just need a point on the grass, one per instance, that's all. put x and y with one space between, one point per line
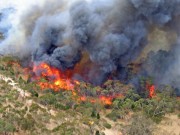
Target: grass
48 112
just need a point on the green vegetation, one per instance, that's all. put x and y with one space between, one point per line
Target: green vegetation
106 125
49 112
154 108
6 127
140 125
179 116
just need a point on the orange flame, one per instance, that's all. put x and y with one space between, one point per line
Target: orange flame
57 80
83 98
106 100
151 89
54 76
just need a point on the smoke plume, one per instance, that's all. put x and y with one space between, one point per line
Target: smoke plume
112 33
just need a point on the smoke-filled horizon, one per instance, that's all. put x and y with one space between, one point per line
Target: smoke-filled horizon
113 33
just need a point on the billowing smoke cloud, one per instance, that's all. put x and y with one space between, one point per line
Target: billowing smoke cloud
114 33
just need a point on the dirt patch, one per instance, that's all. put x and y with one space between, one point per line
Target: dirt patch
170 125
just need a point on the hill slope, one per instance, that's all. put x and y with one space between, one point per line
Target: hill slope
25 109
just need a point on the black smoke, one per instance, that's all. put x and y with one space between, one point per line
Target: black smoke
113 33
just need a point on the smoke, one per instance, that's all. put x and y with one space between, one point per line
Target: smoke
163 66
114 34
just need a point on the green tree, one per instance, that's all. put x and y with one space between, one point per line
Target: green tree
98 116
93 114
97 133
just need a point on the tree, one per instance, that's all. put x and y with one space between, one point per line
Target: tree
93 114
97 133
98 116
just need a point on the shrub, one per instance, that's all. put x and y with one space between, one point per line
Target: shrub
6 127
107 125
48 99
34 93
117 114
61 107
93 114
97 133
98 116
140 125
179 115
27 124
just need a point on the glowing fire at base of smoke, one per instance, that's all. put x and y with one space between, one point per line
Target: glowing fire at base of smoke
151 90
56 80
106 100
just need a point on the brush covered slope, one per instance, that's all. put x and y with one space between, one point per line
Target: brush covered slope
27 109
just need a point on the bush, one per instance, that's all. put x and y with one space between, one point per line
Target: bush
157 107
27 124
93 114
34 107
34 93
6 127
107 125
132 95
140 125
61 107
97 133
48 99
179 115
117 114
98 116
113 115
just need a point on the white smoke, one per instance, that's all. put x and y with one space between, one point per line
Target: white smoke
15 40
20 16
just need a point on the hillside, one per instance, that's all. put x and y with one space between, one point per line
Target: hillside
25 109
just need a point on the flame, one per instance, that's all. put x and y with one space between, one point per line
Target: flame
83 98
93 101
151 89
54 77
106 100
57 80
